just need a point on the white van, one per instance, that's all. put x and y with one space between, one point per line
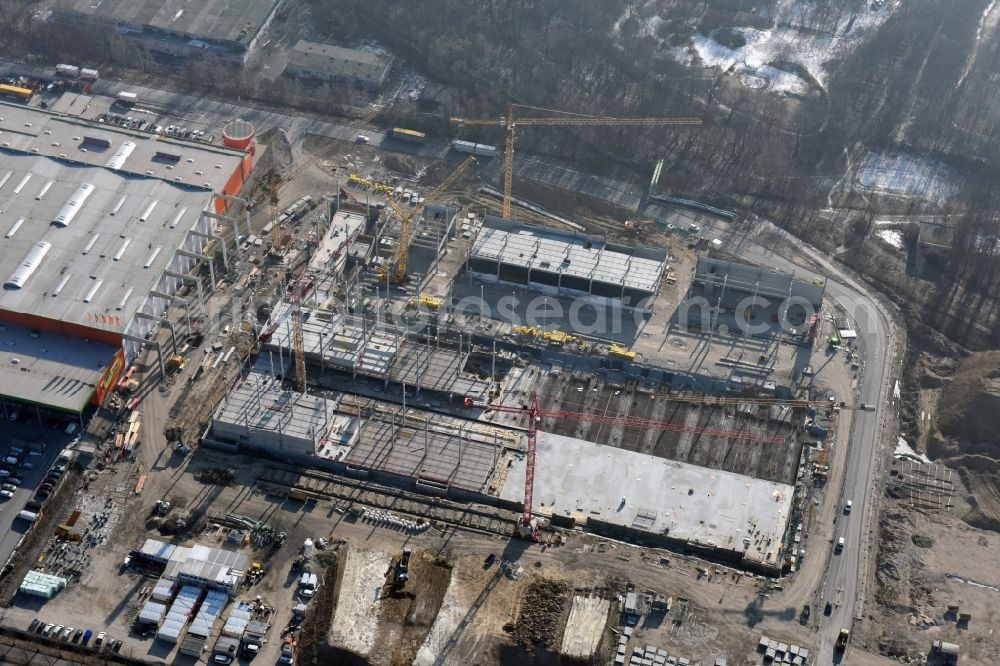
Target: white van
848 506
840 545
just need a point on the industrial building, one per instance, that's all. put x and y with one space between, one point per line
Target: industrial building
352 345
326 62
199 566
562 262
625 494
364 437
728 283
654 500
228 29
260 415
103 229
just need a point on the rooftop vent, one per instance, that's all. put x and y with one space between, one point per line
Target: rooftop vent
73 205
31 262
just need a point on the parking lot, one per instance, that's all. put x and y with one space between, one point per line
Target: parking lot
28 443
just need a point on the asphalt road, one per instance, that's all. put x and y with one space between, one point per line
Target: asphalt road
845 574
199 112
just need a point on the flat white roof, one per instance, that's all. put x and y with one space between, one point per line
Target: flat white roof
585 257
705 507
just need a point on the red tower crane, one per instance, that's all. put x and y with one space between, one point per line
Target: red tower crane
526 527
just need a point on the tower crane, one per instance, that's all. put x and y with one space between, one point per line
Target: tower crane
399 275
509 123
527 527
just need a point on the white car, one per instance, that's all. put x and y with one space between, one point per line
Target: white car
9 486
6 494
362 138
99 641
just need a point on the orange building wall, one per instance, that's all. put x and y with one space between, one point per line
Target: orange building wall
235 183
111 337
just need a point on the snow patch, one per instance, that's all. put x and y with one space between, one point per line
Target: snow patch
905 452
749 62
893 237
800 34
907 174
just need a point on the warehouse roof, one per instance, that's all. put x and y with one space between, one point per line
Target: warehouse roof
39 132
220 20
707 507
570 254
339 61
85 245
43 368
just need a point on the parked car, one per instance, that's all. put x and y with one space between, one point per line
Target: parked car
117 646
47 630
14 480
33 625
27 465
99 641
286 660
86 637
77 635
67 632
6 494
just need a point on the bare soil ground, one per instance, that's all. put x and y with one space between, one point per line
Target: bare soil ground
927 561
407 615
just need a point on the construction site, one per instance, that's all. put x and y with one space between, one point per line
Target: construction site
397 383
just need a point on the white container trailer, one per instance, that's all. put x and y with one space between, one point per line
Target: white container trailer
471 148
68 70
88 74
128 98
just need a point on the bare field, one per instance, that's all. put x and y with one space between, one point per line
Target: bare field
930 560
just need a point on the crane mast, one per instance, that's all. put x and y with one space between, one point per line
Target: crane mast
509 124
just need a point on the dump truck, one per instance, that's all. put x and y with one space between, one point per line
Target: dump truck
842 638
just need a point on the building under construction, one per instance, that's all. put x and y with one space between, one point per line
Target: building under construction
566 262
639 497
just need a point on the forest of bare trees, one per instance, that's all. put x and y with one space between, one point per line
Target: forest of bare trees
923 83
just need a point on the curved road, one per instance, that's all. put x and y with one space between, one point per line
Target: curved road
846 572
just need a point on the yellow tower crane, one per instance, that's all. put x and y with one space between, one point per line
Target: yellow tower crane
399 275
509 123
